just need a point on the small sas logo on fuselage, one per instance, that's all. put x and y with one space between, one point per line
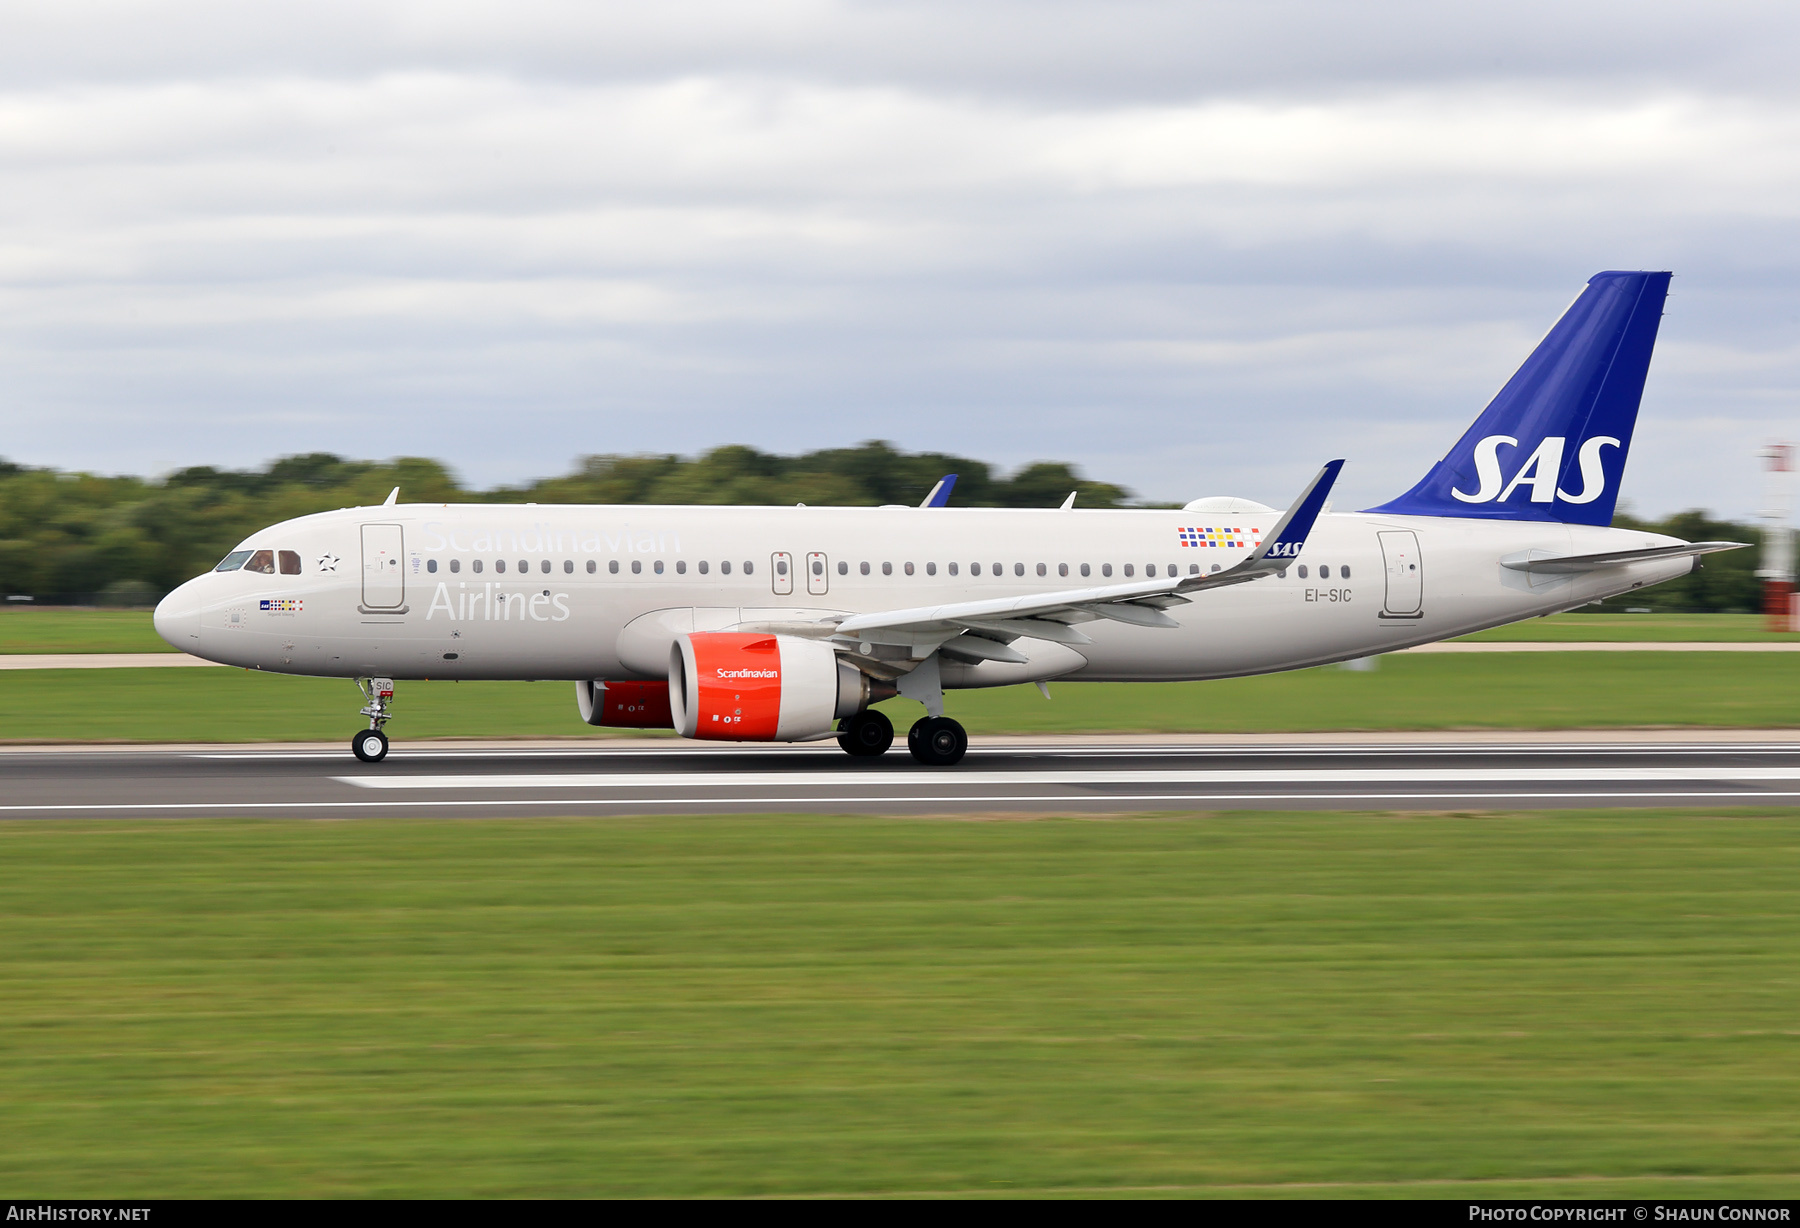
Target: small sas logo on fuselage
281 605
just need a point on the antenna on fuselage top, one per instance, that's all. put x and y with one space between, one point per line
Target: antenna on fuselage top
393 496
1069 502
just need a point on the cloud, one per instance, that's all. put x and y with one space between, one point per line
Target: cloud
1194 247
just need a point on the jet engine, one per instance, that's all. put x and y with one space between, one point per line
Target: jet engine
741 686
628 705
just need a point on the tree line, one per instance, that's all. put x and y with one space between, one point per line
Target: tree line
127 540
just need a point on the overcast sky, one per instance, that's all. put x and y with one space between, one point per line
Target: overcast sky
1197 248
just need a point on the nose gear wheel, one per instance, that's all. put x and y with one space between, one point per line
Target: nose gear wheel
369 745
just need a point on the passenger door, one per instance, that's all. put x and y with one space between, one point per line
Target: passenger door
1405 575
818 579
383 580
781 572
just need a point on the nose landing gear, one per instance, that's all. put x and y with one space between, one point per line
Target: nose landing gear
371 745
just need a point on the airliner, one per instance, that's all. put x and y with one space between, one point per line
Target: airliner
787 624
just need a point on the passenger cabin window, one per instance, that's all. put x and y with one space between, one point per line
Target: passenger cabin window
887 569
1128 570
612 567
974 569
637 567
1042 570
863 568
749 568
290 562
1150 570
659 567
725 568
931 569
233 561
681 567
1303 571
477 566
500 565
1085 570
1062 569
1018 569
702 566
262 561
1106 569
568 567
544 566
456 566
909 569
953 569
843 568
430 564
591 567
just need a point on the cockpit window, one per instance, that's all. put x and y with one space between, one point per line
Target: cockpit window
232 561
290 562
262 561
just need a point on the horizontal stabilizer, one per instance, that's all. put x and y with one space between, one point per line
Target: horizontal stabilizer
1569 564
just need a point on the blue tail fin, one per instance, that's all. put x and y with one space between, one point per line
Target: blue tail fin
1552 444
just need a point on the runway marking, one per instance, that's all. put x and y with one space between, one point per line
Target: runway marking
927 799
1147 776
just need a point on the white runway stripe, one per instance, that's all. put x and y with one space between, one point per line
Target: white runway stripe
985 801
914 779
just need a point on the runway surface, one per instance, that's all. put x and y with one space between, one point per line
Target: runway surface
1070 775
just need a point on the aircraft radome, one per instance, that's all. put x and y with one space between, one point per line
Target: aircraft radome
786 623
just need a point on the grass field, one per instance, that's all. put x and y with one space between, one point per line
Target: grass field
1626 628
65 630
1573 1004
1540 691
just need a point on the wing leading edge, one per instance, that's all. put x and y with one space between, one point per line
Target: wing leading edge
984 627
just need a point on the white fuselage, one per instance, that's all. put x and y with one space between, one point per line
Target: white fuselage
597 592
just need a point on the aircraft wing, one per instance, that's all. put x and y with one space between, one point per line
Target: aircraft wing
1567 564
984 627
940 494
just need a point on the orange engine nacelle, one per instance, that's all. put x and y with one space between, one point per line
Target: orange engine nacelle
628 705
741 686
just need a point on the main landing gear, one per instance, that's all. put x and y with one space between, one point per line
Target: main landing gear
937 741
371 745
868 733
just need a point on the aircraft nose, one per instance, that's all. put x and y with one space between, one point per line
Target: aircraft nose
177 618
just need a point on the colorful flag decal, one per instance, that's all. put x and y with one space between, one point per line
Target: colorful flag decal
1208 537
